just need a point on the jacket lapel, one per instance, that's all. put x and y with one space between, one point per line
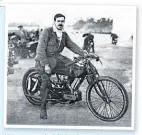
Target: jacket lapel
63 38
56 38
54 35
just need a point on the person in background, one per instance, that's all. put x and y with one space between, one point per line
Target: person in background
37 34
23 34
25 38
114 38
88 42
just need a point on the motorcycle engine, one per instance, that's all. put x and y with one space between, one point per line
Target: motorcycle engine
63 91
78 95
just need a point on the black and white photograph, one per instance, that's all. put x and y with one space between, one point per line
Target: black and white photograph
70 66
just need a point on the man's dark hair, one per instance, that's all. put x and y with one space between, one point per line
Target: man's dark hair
58 15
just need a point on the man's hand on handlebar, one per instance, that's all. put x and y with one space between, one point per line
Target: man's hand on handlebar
95 56
88 55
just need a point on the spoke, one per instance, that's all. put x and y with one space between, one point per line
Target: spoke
103 114
118 102
99 106
116 95
111 89
98 89
106 86
114 91
106 110
110 111
119 106
95 94
114 88
96 99
96 103
112 114
100 84
113 110
102 109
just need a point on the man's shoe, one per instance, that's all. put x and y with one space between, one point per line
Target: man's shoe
43 113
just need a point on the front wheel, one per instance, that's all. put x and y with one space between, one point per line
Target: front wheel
107 99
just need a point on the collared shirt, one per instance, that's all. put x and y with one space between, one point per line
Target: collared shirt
59 33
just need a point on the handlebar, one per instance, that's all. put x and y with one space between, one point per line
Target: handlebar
70 63
77 59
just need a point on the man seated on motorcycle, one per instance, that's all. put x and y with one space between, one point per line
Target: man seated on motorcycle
51 43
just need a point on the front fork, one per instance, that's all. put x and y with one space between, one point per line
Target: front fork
99 87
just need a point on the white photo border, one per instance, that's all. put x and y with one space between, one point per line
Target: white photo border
70 127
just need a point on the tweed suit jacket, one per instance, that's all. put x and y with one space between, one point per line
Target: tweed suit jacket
48 48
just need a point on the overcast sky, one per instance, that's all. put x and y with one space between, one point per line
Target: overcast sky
124 16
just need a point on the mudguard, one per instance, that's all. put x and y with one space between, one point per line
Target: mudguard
32 43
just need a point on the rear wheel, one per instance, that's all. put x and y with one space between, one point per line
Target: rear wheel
111 102
31 86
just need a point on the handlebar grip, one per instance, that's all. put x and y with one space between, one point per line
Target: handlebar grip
97 58
69 64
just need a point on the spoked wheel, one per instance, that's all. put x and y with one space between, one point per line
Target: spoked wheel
111 102
31 86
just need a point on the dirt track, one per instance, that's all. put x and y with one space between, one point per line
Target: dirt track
117 63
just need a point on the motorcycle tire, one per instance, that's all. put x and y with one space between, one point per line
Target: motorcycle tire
28 93
117 105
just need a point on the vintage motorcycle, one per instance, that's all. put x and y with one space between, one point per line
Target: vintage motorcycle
106 97
24 49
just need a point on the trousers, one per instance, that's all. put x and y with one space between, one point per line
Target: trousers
57 65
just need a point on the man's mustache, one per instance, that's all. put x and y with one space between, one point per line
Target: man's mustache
60 25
